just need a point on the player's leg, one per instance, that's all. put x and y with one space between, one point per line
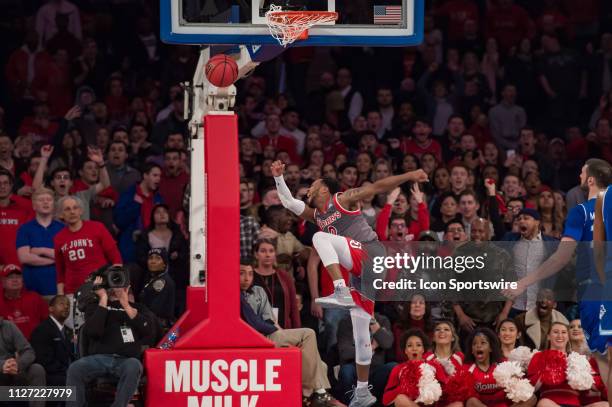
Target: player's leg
363 357
334 252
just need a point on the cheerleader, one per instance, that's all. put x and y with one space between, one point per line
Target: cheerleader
481 361
578 342
446 352
548 372
403 388
509 336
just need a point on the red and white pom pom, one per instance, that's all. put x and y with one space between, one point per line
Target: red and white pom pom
509 375
579 375
430 390
522 355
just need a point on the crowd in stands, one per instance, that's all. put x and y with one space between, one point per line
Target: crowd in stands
502 105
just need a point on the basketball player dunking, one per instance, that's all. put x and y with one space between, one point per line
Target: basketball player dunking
346 240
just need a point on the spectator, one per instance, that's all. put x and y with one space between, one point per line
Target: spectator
290 119
35 245
468 208
277 284
26 309
25 64
507 119
165 233
159 293
414 314
538 320
353 101
422 142
61 178
278 141
380 368
530 251
508 23
54 342
257 311
121 175
115 343
347 176
46 19
17 360
13 213
459 175
82 246
173 181
132 213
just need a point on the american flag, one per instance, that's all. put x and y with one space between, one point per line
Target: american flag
387 14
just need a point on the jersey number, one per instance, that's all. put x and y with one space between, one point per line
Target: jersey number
77 254
332 230
355 244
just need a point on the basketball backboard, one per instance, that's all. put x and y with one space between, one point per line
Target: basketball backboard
360 22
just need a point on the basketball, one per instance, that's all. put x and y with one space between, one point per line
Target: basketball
221 71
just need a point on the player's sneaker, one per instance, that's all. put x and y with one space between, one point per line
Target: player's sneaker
341 298
362 397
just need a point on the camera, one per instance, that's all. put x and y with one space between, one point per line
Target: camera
112 277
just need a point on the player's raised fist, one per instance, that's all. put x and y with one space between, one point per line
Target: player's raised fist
277 168
419 176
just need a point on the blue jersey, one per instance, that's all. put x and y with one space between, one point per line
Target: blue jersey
606 210
579 226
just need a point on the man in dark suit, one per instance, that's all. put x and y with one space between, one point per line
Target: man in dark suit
53 342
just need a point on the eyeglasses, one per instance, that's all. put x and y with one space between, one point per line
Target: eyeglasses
62 177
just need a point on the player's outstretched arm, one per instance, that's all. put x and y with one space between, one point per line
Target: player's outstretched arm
352 196
294 205
599 239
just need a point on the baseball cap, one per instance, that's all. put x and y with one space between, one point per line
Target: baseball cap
10 269
161 252
530 212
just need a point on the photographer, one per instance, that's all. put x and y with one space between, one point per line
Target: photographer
116 331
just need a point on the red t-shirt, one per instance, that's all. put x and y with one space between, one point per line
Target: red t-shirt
411 147
172 190
18 212
26 312
282 143
78 254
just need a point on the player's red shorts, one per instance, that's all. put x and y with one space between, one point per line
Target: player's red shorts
361 256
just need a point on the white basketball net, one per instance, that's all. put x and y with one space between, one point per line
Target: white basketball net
287 26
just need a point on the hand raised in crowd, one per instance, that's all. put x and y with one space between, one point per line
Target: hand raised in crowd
46 151
277 168
392 197
73 113
466 322
489 184
417 193
95 155
104 202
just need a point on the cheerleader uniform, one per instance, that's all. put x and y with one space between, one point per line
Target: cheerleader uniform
486 389
399 381
454 384
548 368
591 396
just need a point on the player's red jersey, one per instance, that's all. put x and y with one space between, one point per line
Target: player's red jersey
18 212
78 254
486 388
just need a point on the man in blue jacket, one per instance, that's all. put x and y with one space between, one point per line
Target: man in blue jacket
133 211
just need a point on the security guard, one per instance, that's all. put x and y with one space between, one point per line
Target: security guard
159 292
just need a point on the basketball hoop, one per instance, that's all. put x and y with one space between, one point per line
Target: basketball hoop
288 26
